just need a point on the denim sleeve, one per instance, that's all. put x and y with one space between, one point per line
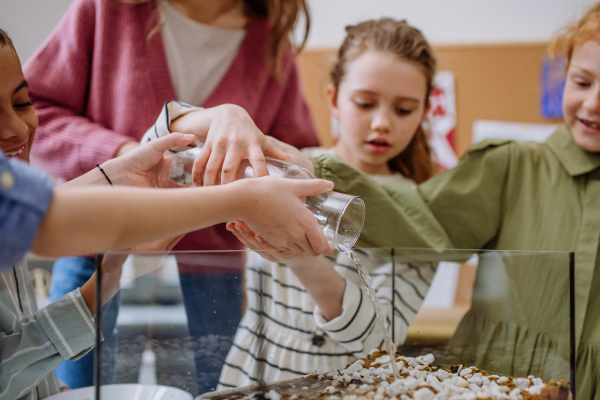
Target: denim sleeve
25 194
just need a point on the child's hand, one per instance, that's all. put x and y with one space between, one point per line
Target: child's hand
254 242
272 207
317 275
296 156
230 136
138 166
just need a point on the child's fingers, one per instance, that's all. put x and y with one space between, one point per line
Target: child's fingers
242 239
284 249
307 247
175 139
258 162
274 152
249 237
312 187
233 158
213 166
317 240
200 164
266 245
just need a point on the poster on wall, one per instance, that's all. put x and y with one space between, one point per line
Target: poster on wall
553 85
441 119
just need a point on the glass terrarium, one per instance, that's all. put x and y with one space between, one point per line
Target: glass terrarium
231 325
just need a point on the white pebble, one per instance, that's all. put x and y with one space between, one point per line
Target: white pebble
330 389
538 382
466 371
469 396
423 394
434 382
442 374
460 382
474 388
521 383
535 389
385 383
411 383
273 395
421 375
475 380
428 359
412 362
352 369
515 394
502 380
393 391
383 360
460 367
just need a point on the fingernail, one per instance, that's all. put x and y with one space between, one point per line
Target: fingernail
330 184
259 239
239 229
189 136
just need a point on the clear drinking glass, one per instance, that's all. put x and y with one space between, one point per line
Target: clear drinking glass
341 216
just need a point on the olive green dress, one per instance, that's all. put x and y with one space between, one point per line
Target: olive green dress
505 195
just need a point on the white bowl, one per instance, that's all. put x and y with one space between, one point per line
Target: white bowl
128 391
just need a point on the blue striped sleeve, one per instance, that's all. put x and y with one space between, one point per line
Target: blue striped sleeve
25 194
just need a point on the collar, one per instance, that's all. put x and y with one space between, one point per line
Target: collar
573 158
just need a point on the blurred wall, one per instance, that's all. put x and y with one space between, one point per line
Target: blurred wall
450 21
29 22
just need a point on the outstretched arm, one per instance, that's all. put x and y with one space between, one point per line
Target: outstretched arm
94 219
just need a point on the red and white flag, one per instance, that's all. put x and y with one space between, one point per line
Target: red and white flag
441 120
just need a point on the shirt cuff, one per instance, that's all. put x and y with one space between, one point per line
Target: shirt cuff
69 324
170 112
356 320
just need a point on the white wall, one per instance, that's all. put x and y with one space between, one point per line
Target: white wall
450 21
29 22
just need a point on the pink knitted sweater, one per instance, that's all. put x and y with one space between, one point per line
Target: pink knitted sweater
97 83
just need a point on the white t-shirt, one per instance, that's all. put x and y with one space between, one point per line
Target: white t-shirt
198 55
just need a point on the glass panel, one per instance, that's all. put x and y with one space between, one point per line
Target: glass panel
206 322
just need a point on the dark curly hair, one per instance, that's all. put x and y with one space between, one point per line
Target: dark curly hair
5 40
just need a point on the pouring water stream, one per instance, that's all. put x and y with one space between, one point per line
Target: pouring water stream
366 277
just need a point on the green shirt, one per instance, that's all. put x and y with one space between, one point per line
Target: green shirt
504 195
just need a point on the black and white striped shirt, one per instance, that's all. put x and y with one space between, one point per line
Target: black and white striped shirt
292 320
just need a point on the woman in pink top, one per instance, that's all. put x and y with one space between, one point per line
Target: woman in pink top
102 77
